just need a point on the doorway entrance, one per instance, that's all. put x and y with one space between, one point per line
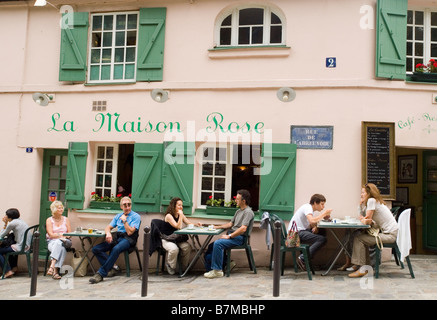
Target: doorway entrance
53 183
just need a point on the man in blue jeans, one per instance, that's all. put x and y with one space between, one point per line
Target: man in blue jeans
127 223
234 237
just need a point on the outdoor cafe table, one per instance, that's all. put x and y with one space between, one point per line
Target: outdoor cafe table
349 226
92 238
194 233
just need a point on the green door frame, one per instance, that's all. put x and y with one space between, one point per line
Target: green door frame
430 200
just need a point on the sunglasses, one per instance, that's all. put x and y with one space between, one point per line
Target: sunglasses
126 205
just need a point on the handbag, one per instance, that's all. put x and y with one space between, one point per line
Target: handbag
176 238
375 233
292 239
82 269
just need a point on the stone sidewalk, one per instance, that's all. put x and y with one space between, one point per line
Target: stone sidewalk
394 283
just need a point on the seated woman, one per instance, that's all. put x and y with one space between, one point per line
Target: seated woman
377 213
56 226
175 220
18 227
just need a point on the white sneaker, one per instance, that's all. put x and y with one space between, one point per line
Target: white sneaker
213 274
170 270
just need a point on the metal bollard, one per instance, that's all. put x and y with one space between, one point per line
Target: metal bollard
34 273
146 245
277 258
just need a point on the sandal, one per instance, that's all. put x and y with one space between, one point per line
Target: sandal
51 271
56 276
344 267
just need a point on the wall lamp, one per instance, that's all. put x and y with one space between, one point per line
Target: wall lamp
43 3
43 99
286 94
160 95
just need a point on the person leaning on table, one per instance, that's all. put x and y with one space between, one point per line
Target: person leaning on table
18 227
234 237
377 214
175 220
306 224
56 226
127 223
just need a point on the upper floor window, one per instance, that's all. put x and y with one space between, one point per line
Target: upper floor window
113 47
254 26
421 37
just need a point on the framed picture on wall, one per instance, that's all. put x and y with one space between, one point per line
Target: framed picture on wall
407 169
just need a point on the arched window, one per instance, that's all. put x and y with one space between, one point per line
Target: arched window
250 26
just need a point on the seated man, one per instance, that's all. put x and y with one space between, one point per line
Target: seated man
127 223
307 225
234 237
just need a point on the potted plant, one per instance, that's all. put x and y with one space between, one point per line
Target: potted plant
215 206
105 202
425 72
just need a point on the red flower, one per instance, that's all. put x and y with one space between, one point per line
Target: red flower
119 195
93 193
210 197
130 195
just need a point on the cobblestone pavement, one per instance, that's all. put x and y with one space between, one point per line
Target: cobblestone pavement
394 283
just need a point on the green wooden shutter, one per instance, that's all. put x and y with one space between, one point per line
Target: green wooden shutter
74 41
178 174
151 39
146 180
76 170
277 181
391 39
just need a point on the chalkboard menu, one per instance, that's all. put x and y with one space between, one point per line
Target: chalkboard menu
378 157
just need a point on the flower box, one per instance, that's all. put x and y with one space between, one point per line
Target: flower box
424 77
105 205
221 210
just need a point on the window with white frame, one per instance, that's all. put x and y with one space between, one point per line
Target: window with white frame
421 37
113 47
113 169
250 26
227 168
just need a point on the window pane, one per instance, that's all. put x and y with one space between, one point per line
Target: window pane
433 34
257 35
418 15
95 73
109 152
243 35
434 50
106 55
220 169
100 166
108 167
95 56
129 71
97 23
132 21
275 19
107 39
97 40
119 38
409 48
119 55
207 169
418 33
108 23
118 71
106 73
418 49
220 154
251 16
131 38
434 18
409 33
219 184
130 54
227 21
206 183
410 17
208 153
276 34
225 36
108 182
54 172
99 180
121 22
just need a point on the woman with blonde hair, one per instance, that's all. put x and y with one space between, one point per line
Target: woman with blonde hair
56 226
378 215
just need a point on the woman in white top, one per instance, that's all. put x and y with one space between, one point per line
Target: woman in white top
377 215
56 226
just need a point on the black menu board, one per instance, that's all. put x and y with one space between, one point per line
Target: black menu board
378 157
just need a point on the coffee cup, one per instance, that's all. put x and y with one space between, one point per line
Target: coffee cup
191 226
211 227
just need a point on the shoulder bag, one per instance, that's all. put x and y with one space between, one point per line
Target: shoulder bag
292 239
375 233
